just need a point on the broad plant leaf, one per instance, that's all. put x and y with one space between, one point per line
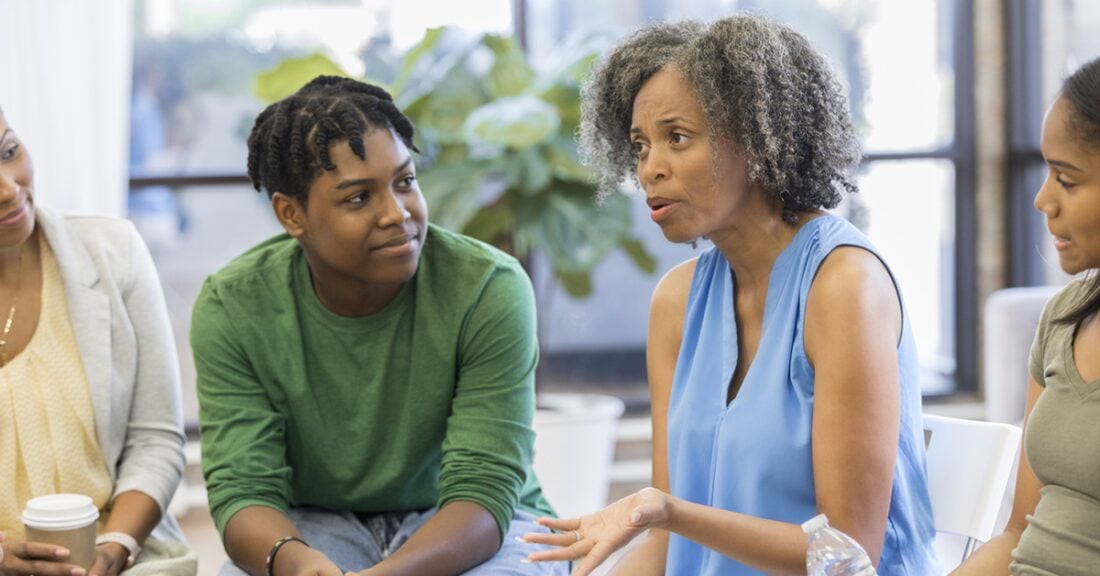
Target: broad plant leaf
495 224
567 100
527 172
415 56
574 231
510 75
443 116
514 121
576 284
498 154
452 192
565 162
571 62
638 254
440 57
291 74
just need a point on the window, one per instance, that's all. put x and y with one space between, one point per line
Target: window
910 83
1047 41
908 75
193 107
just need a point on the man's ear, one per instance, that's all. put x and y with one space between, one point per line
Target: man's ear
291 213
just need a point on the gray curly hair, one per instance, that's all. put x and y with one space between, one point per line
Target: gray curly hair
759 83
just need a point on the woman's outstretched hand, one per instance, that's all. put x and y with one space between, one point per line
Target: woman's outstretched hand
594 537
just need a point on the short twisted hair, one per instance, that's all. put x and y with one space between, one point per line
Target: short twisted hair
760 85
290 141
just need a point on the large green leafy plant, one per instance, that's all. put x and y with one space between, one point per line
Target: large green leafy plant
498 151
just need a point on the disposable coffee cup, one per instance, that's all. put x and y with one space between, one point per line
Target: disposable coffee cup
66 520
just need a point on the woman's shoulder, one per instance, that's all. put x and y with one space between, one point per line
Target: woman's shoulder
95 228
674 287
1066 299
461 266
826 232
106 240
454 250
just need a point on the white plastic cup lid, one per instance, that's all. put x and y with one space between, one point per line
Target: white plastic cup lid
814 524
56 512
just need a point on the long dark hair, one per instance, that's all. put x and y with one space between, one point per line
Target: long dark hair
1082 91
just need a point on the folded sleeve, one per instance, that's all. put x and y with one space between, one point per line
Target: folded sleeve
489 440
151 460
243 442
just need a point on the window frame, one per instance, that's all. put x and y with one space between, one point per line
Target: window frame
961 153
1025 95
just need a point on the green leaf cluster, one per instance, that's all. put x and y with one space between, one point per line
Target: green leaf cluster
499 157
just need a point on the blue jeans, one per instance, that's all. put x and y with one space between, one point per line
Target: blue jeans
357 545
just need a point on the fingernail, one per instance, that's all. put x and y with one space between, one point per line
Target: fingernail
521 539
635 518
525 560
78 572
61 552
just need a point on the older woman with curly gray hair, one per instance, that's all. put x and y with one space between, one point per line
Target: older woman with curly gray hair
782 369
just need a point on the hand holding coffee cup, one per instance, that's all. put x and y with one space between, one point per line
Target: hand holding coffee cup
65 520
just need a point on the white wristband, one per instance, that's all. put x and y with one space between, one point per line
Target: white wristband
123 539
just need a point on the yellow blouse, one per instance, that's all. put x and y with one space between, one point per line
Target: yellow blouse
47 424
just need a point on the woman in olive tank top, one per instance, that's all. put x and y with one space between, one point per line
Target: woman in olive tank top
1055 522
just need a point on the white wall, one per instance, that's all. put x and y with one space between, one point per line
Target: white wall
65 72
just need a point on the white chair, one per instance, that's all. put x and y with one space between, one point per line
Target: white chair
969 464
1008 328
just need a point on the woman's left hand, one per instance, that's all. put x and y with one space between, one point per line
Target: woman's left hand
596 536
110 559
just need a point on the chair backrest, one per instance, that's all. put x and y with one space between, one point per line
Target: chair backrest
1008 328
969 464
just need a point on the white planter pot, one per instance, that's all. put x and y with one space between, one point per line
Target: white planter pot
574 448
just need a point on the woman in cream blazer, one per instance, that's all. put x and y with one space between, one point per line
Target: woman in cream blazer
89 381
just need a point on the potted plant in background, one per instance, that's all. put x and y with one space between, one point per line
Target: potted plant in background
499 162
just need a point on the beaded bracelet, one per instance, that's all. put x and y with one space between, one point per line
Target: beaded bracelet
270 562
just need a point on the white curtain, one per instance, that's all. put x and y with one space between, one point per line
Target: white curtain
65 70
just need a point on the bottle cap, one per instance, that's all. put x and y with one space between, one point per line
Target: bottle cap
814 524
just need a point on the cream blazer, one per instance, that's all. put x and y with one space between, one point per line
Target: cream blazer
121 326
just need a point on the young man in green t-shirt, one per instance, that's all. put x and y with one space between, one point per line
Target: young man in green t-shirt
365 379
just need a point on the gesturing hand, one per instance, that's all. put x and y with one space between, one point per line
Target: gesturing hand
596 536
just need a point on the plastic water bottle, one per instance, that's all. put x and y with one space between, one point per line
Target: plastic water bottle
832 552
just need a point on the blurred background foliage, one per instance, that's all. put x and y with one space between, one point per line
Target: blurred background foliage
499 157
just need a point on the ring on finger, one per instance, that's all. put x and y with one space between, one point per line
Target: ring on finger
577 533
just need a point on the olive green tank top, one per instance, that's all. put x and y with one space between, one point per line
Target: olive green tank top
1062 444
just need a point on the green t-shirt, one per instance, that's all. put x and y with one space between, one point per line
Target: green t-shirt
425 402
1063 533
